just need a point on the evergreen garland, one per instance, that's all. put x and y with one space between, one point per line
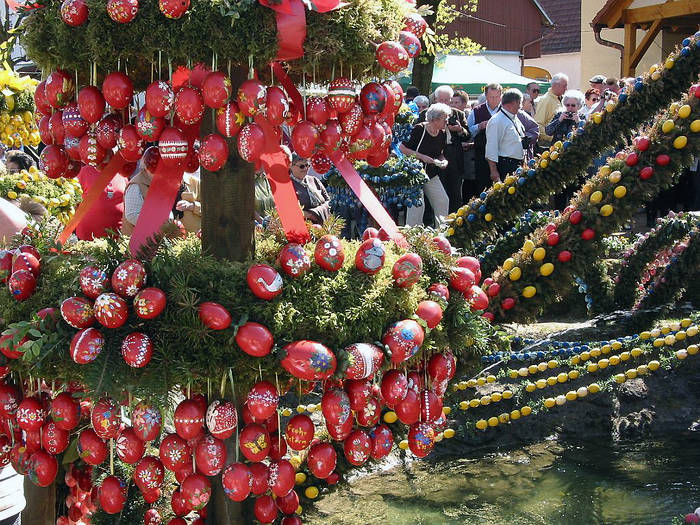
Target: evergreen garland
560 167
673 138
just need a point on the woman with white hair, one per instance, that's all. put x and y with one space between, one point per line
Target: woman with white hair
568 118
427 144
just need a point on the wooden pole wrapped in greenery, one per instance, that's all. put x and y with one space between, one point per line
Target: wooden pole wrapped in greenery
542 272
560 168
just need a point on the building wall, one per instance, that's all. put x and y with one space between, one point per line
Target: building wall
516 22
567 63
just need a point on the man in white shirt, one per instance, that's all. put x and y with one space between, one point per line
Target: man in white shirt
504 137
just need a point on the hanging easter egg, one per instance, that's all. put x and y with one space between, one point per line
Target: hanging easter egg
335 406
237 481
210 455
369 415
129 143
43 468
213 152
65 411
53 161
394 387
11 349
408 409
359 392
107 131
91 448
251 141
146 420
263 400
73 124
410 43
106 418
130 448
363 360
30 414
382 441
331 136
149 127
351 121
45 130
112 495
421 439
264 281
20 458
462 279
254 339
9 400
321 163
189 105
430 312
442 366
294 260
137 349
254 442
264 509
214 316
322 460
299 432
149 474
369 257
90 151
308 360
110 310
77 312
128 278
341 94
175 453
41 102
196 489
91 104
54 439
189 419
340 431
317 110
360 144
229 119
281 477
403 339
122 11
260 474
21 284
159 98
416 24
173 147
477 298
173 9
398 94
221 419
373 98
59 89
74 12
251 97
277 108
288 503
117 90
305 138
358 447
86 345
392 56
407 270
152 517
56 130
472 264
149 303
431 406
329 253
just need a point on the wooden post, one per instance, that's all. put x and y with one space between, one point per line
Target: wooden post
628 51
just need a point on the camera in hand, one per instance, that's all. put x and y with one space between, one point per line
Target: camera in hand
569 114
452 121
525 142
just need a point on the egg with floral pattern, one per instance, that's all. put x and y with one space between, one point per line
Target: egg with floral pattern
149 473
421 439
329 253
146 420
357 447
175 453
341 94
137 349
308 360
149 303
110 310
93 281
294 260
407 270
128 278
106 418
368 416
404 339
263 400
86 345
363 359
130 448
210 455
382 441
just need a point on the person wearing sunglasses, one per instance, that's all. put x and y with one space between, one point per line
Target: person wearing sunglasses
592 99
310 191
532 91
567 119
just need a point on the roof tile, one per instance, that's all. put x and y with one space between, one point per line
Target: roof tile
565 36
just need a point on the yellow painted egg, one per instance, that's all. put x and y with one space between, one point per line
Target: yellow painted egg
390 417
620 191
642 370
450 232
530 387
631 373
605 171
490 378
515 414
692 349
644 336
473 403
503 418
508 264
585 355
616 345
515 274
446 410
614 360
571 395
541 383
554 155
493 421
594 388
511 190
592 367
529 291
312 492
596 197
680 335
542 366
449 433
301 409
658 343
684 111
655 332
624 356
619 378
609 107
654 365
471 383
669 340
680 142
682 354
695 126
549 402
497 185
481 425
575 360
507 394
552 363
485 400
525 411
546 269
299 478
488 217
539 254
595 352
692 331
463 405
545 154
528 246
481 381
513 374
496 397
597 117
655 75
563 377
573 374
532 369
603 363
606 210
551 381
668 126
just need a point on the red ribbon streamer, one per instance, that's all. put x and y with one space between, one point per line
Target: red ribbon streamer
367 198
89 198
289 86
276 165
291 31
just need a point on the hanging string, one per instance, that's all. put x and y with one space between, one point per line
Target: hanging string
233 393
279 419
333 72
152 67
222 388
111 456
208 390
159 60
303 84
251 69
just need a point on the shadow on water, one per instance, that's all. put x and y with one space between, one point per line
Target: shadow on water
595 483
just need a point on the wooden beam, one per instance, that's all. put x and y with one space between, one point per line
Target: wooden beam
630 46
614 17
644 44
650 13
